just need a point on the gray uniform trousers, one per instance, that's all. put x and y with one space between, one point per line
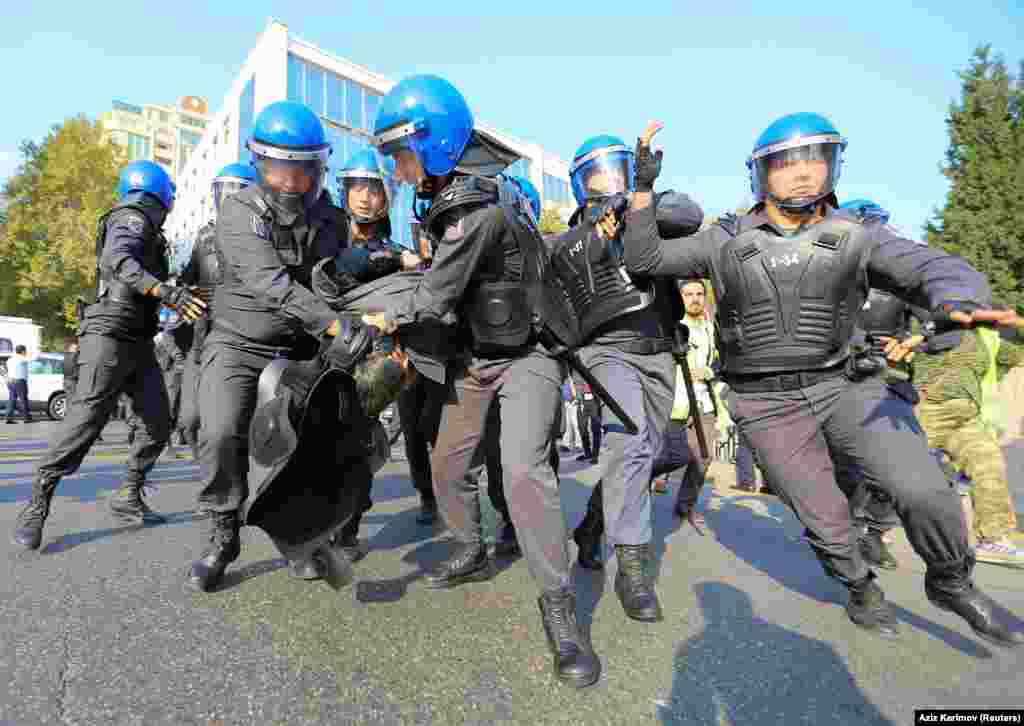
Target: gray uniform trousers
527 393
228 387
644 385
108 367
808 440
188 418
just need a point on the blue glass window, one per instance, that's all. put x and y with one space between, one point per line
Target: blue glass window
296 79
520 168
246 116
315 89
372 105
354 105
335 98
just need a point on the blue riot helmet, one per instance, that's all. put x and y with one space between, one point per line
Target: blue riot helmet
866 209
231 179
427 116
147 177
289 150
528 189
367 185
602 166
792 139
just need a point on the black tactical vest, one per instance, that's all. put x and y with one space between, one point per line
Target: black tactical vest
595 281
500 303
790 303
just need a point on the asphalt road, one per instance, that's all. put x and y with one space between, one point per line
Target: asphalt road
97 628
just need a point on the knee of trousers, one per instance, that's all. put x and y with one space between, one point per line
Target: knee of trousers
936 503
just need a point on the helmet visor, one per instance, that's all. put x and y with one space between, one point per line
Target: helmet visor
797 173
295 183
606 172
367 200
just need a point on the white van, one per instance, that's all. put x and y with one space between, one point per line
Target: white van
45 385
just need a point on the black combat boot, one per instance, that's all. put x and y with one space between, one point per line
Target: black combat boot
28 529
469 564
346 541
589 532
575 661
313 567
868 608
635 591
128 506
875 551
428 512
951 588
223 549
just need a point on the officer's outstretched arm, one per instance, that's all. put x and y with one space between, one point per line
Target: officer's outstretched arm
466 240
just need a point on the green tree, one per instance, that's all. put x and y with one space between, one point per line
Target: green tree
47 247
983 218
551 222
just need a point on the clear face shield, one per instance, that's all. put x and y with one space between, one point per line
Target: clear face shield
602 173
294 179
367 195
798 176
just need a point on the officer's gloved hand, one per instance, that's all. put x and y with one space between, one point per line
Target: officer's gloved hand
648 163
381 263
330 284
188 304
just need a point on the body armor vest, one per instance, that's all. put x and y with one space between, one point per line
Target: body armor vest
595 281
500 304
790 303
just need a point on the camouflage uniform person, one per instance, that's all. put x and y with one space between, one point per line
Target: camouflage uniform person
957 412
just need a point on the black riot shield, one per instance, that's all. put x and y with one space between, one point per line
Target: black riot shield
311 450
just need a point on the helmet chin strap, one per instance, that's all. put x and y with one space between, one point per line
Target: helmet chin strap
798 206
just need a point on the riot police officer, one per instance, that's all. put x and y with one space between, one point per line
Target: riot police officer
627 324
116 350
486 269
789 279
269 237
366 185
203 271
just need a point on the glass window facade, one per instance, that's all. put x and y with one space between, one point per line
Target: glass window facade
348 111
520 168
246 117
556 192
139 147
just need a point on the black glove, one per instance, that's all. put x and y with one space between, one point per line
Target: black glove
940 320
189 305
648 167
330 284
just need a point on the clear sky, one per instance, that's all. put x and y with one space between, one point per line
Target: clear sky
557 73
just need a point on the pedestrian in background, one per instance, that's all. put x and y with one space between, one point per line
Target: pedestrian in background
17 383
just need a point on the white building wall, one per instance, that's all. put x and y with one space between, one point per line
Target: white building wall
268 63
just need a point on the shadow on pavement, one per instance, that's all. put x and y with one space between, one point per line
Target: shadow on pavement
70 541
89 482
741 669
760 541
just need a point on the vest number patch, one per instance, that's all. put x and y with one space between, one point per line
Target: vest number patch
784 260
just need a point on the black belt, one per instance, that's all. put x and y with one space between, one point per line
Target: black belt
644 346
769 382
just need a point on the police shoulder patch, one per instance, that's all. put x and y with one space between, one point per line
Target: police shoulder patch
132 221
